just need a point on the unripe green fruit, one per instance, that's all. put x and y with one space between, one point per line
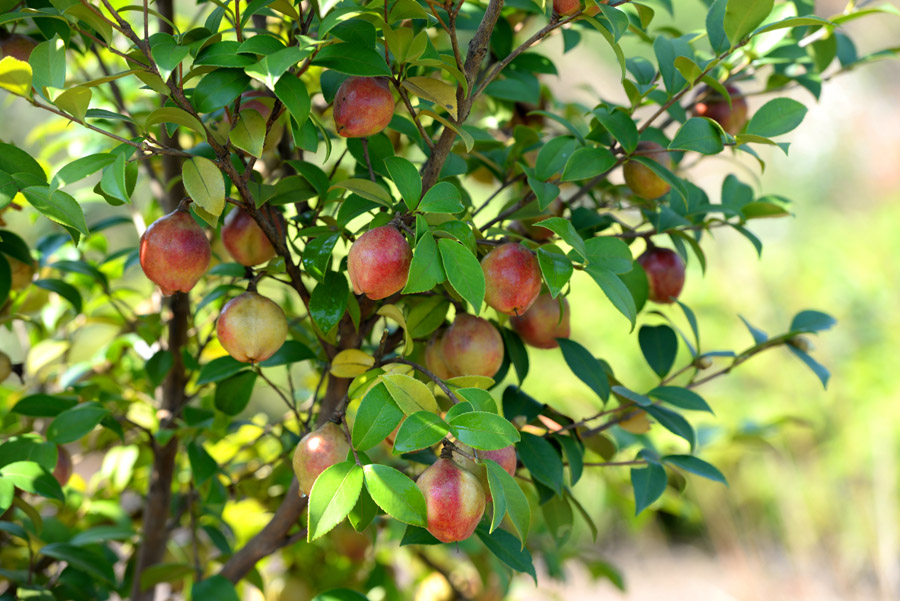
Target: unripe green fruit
317 451
175 252
378 262
363 106
454 499
541 325
472 347
640 178
251 327
512 278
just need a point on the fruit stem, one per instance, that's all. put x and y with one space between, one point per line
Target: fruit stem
447 449
183 204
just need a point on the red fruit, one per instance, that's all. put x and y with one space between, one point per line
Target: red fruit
363 106
245 240
17 46
566 7
506 457
640 178
434 358
378 263
454 499
713 105
317 451
472 347
63 470
665 274
512 278
251 327
541 325
175 252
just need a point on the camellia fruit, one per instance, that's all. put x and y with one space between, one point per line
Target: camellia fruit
454 499
16 45
541 325
317 451
245 240
251 327
636 422
732 117
512 278
434 358
566 7
63 470
378 262
506 457
5 366
363 106
472 347
665 274
640 178
175 252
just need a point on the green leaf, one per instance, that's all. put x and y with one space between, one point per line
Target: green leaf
396 494
743 16
586 163
340 594
352 59
517 506
515 350
85 559
542 460
680 397
218 89
367 189
615 290
443 197
484 431
816 367
215 587
420 430
75 101
114 181
585 367
363 512
74 423
697 466
640 399
249 132
294 95
219 369
32 477
565 230
408 181
58 206
503 545
410 394
233 394
480 400
556 268
376 417
205 185
574 455
15 76
28 447
659 344
290 352
559 518
158 366
271 67
649 483
673 422
426 270
203 466
333 496
776 117
7 494
463 272
171 114
164 572
48 64
700 135
329 300
43 405
812 321
609 253
16 161
67 291
620 125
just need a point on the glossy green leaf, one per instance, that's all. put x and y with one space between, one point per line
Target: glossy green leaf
333 496
74 423
463 272
695 465
205 185
329 301
776 117
483 430
396 494
585 367
659 344
542 460
376 418
649 483
420 430
700 135
406 177
233 394
219 89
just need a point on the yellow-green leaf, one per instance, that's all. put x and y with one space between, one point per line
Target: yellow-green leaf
75 101
367 189
351 363
467 138
171 114
206 187
410 394
249 133
393 312
15 76
435 90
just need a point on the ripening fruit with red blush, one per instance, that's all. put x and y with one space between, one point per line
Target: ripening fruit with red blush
363 106
251 327
63 469
472 347
640 178
566 7
665 274
17 46
512 278
245 241
175 252
434 358
318 451
542 324
378 262
454 499
713 105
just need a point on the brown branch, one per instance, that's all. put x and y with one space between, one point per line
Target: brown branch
430 375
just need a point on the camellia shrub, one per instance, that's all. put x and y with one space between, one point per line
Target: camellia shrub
372 212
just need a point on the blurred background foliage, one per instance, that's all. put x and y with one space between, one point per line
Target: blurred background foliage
812 508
